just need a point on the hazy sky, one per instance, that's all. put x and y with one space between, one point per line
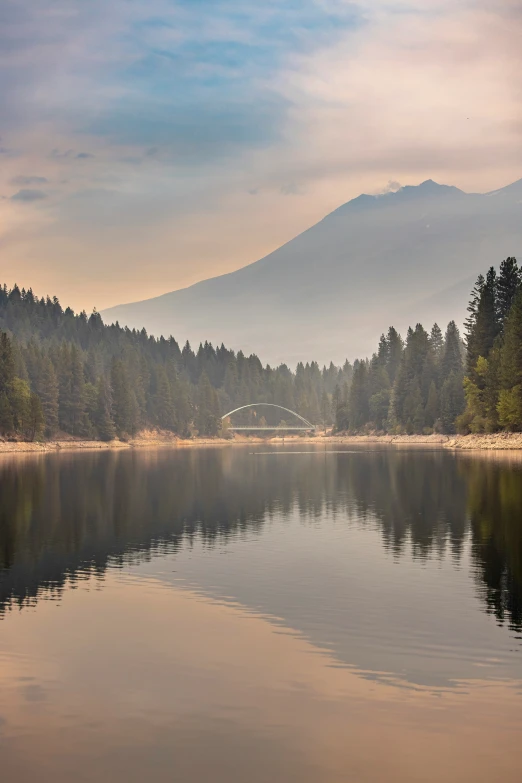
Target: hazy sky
148 144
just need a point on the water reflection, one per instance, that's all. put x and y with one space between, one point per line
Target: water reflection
214 614
61 515
160 684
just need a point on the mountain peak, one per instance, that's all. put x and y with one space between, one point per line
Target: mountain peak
433 187
428 188
399 258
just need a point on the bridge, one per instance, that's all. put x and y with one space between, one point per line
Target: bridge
306 428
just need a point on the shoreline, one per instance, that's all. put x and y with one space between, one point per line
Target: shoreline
485 442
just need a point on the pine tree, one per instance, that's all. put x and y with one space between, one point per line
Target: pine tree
452 402
508 283
103 419
379 408
325 410
451 353
6 415
358 406
379 387
485 328
471 320
183 409
162 402
19 395
510 401
47 389
394 354
437 342
207 416
71 383
124 404
77 402
35 419
431 412
7 365
412 382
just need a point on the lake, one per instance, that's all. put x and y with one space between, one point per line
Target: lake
261 613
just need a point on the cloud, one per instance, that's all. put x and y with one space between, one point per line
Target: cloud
190 133
292 189
61 154
395 96
69 154
392 187
21 180
28 195
164 114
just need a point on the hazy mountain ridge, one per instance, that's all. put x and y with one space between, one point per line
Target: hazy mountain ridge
399 258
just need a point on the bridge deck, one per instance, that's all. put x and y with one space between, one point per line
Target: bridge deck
283 429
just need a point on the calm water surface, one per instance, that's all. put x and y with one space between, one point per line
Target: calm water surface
258 614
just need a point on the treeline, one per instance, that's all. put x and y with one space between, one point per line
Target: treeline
409 387
62 372
435 383
493 383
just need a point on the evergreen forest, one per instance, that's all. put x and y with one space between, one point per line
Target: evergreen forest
67 374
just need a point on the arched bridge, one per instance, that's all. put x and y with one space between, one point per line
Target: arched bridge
306 428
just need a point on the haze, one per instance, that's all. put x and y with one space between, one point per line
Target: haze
148 145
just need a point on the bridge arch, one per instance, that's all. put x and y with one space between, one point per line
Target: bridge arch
308 425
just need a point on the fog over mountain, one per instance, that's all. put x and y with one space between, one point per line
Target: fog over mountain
328 294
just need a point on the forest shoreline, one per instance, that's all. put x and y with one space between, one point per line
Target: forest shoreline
504 441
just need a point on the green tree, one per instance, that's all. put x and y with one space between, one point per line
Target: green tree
451 353
124 404
508 283
35 418
6 415
394 353
379 405
71 389
452 402
437 342
103 418
412 382
19 395
483 328
326 410
358 401
207 416
48 392
162 402
7 365
432 412
510 401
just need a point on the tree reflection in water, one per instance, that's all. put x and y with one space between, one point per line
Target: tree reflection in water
65 517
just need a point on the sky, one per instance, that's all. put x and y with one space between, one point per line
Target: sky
149 144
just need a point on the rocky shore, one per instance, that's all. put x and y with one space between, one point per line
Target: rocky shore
503 441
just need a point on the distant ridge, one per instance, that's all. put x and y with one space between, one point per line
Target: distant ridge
396 258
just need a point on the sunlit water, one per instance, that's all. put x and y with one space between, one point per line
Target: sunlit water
261 614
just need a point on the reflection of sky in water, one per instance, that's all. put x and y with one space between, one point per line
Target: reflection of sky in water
332 580
140 680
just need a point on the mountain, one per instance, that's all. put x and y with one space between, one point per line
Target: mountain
328 294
